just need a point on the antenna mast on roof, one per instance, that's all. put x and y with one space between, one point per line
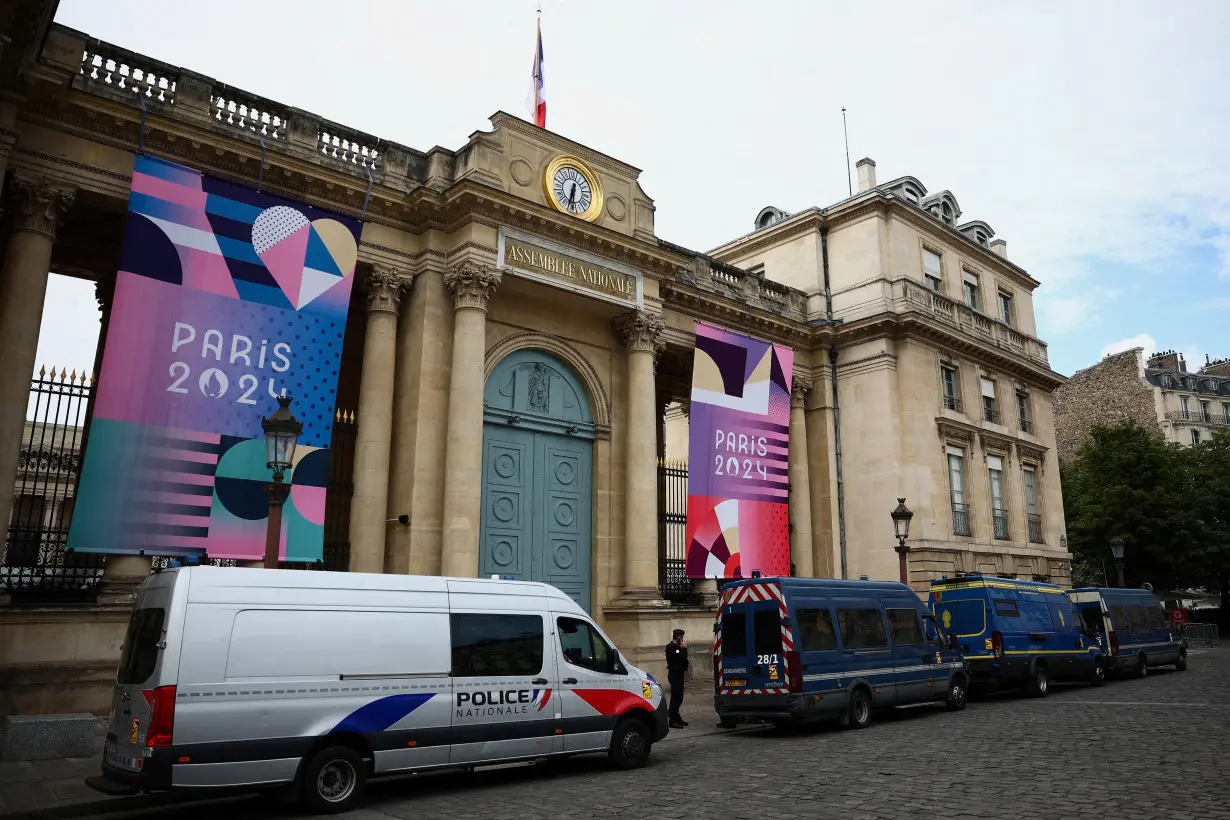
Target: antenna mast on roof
846 131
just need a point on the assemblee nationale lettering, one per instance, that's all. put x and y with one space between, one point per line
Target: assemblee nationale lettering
552 263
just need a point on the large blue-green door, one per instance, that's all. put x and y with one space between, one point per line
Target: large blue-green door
537 475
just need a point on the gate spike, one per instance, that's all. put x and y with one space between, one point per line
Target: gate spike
73 378
42 371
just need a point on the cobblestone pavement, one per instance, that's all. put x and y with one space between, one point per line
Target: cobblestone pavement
1149 748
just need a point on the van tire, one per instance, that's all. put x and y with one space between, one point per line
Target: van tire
1181 663
958 694
858 712
332 781
1142 666
1038 684
631 743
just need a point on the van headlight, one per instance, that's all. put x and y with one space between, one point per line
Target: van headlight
657 689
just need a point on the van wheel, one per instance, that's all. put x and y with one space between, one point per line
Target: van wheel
858 714
630 744
1098 676
1038 684
1142 666
333 780
957 695
1181 663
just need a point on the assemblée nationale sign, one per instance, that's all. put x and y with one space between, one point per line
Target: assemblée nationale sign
535 259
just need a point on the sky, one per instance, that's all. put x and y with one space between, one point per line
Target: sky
1091 136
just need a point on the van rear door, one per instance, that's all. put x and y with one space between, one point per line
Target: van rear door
142 700
753 655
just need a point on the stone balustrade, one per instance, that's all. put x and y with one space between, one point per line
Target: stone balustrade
914 295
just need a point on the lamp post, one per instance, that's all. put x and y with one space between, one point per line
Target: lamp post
282 431
901 525
1116 550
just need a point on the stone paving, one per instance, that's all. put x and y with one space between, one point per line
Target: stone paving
1152 748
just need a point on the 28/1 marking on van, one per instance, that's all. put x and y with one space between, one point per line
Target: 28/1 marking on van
761 660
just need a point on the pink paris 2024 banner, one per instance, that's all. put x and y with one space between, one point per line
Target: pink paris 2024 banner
738 464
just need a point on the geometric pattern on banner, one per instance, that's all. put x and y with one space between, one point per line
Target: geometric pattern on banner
738 456
226 298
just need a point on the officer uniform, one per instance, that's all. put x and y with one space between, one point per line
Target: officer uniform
676 668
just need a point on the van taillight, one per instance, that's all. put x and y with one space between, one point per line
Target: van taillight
795 664
162 715
997 643
1114 642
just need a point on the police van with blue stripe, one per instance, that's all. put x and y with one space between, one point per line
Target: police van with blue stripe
1017 633
1132 627
317 681
791 650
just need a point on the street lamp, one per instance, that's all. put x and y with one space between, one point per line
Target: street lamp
1116 550
282 431
901 526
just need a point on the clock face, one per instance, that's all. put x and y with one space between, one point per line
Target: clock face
572 190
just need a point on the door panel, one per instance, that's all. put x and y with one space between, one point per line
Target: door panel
507 522
565 520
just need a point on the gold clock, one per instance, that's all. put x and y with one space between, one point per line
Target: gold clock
573 188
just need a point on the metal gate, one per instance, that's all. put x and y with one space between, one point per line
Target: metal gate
673 580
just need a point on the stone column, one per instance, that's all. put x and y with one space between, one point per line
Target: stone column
801 547
643 332
472 286
38 207
370 502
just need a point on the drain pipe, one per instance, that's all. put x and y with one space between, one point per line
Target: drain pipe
841 482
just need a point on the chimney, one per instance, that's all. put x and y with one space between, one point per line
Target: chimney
999 247
1165 360
866 168
1217 367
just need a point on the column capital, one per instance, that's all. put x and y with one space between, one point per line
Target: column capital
642 331
799 389
385 287
40 203
472 284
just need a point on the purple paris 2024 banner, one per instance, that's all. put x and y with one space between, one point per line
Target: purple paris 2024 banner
225 299
738 466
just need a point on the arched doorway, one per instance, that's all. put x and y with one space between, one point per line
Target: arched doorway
538 436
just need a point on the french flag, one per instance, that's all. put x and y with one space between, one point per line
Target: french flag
539 112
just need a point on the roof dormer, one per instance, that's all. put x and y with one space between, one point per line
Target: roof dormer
977 231
943 206
908 188
770 216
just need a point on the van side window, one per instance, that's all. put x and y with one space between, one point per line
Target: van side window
862 629
141 646
486 645
1140 621
1157 620
734 635
1093 618
816 627
584 647
1062 617
1006 608
1119 617
904 625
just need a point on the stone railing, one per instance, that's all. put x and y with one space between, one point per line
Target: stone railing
237 109
117 73
1197 417
917 296
348 146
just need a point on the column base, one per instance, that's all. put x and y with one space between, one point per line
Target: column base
120 589
708 590
644 597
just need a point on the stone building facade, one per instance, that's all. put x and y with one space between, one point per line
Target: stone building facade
1158 393
512 353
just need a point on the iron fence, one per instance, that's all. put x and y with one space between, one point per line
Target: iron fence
1035 528
999 519
960 519
1201 633
673 580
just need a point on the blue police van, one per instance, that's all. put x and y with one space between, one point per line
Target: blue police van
1017 633
1132 627
790 650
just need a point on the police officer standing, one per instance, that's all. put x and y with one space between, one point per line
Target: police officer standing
676 668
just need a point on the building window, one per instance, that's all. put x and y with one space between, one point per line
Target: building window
1205 415
1030 475
949 383
973 294
1023 417
1184 411
1166 383
933 271
1195 437
1225 412
990 409
1005 308
999 512
956 491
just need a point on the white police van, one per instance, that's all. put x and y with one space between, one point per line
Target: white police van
256 678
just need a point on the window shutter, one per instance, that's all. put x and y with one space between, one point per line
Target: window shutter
988 388
995 463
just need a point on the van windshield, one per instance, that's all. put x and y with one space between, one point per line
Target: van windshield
140 653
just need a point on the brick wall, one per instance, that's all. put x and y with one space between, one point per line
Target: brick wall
1110 392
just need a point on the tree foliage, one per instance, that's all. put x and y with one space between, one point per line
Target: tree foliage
1170 504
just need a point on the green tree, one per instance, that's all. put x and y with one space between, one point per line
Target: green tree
1126 481
1210 468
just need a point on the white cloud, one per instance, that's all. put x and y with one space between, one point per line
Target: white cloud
1139 340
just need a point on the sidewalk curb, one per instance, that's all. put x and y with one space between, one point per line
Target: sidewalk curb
114 805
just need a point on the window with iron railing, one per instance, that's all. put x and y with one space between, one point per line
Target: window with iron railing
1023 415
949 385
956 491
999 513
1035 528
1030 478
990 407
960 519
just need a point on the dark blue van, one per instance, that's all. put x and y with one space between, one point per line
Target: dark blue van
1017 633
1132 627
789 650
